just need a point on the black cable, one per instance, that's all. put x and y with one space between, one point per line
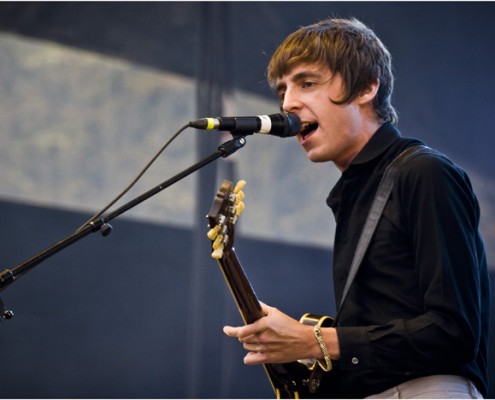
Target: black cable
134 181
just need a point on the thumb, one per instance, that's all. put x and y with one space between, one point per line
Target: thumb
265 308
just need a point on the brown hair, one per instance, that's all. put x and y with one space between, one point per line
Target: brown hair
347 47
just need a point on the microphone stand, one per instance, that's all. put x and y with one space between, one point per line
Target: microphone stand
8 276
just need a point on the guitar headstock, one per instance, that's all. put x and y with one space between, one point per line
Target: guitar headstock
227 206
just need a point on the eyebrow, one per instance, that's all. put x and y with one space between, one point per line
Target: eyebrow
298 78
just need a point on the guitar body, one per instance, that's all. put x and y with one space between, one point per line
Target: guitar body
303 379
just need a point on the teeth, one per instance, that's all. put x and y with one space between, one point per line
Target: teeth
308 127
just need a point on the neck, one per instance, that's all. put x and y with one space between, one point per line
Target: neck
365 132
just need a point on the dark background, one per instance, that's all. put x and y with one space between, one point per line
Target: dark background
126 316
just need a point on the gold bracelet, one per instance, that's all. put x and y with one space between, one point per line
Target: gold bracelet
324 350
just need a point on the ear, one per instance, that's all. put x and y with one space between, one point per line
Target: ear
368 94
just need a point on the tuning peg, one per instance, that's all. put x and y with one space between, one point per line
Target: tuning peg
213 232
239 186
217 247
218 242
240 196
217 254
239 208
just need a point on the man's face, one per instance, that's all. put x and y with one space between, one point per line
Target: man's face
330 132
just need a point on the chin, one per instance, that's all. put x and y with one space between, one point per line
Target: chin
316 158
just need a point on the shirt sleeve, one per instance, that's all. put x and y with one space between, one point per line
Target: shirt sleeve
441 215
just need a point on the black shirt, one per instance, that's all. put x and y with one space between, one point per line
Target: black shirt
419 304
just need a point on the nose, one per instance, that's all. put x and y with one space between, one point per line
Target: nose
290 101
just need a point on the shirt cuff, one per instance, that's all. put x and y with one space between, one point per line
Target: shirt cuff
355 352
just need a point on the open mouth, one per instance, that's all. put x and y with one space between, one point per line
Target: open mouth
307 129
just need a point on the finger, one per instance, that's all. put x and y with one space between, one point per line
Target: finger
240 333
231 331
255 358
246 332
251 347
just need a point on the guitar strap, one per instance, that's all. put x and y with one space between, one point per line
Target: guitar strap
381 197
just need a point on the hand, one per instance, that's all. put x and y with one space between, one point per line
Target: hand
275 338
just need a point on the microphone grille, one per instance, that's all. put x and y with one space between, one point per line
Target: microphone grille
293 125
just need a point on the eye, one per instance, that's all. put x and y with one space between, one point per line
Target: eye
281 96
308 84
279 90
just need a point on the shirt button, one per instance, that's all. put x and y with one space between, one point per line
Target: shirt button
355 360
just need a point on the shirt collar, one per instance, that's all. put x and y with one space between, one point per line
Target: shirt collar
383 138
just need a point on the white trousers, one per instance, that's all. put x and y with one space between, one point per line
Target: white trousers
432 387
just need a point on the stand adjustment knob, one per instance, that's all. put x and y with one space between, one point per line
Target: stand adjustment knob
7 314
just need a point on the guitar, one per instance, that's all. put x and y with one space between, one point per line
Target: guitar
288 380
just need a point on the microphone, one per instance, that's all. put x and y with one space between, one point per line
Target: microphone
281 125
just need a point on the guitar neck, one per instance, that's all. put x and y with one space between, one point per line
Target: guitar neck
240 288
288 380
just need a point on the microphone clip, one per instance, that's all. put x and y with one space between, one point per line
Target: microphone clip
231 146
